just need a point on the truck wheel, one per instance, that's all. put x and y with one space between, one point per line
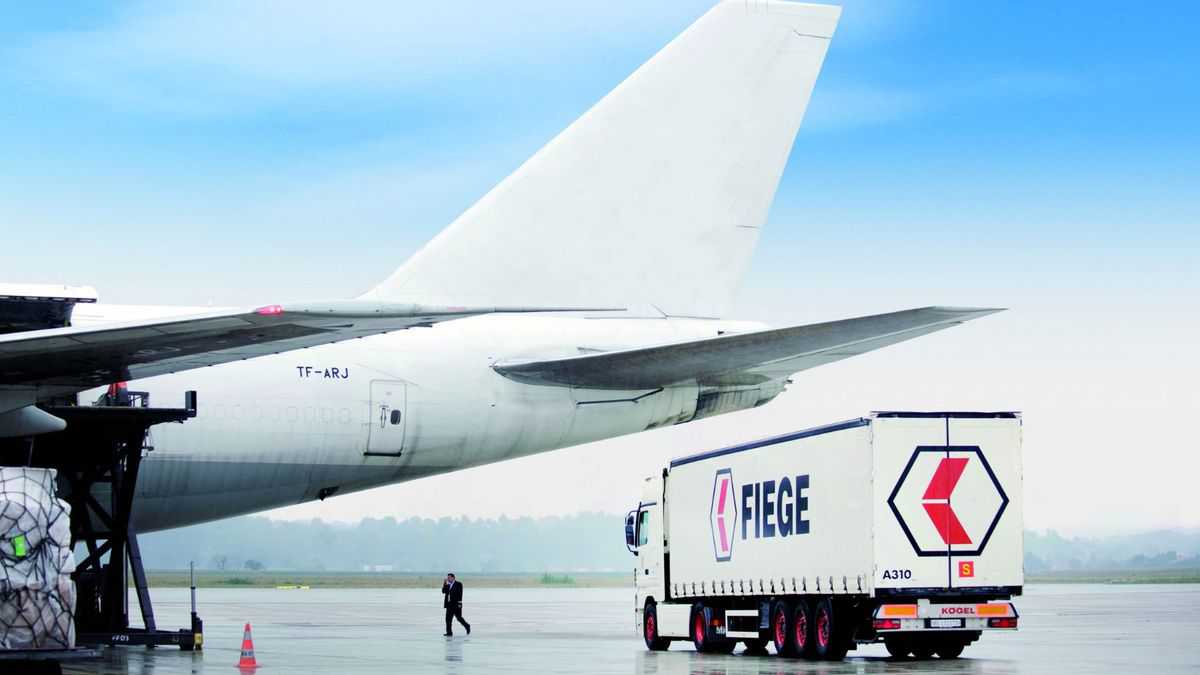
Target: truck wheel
654 641
699 627
802 630
950 650
922 650
702 634
781 629
897 647
829 639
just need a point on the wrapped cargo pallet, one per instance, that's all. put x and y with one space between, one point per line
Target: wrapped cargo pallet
37 595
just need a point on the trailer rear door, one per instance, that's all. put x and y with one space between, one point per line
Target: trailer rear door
987 501
909 552
947 501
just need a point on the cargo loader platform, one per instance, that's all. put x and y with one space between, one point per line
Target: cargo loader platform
103 446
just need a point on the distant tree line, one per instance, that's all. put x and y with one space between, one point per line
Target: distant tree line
1158 550
577 543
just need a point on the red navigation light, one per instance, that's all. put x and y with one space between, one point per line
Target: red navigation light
269 310
1002 623
887 624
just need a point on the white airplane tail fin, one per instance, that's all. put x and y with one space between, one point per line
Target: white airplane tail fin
656 195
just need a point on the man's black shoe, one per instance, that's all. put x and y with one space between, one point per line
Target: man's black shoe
450 634
468 630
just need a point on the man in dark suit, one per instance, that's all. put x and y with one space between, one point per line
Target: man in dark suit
452 591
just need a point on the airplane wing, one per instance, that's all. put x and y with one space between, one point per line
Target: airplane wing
743 358
61 360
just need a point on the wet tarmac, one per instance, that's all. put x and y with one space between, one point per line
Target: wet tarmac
1064 629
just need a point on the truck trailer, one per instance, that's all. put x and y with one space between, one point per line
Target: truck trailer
898 527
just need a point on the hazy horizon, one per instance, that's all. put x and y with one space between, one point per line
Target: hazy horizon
571 543
201 153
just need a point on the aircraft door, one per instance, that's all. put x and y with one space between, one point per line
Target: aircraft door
388 418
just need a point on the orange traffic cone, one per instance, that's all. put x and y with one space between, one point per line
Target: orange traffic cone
247 661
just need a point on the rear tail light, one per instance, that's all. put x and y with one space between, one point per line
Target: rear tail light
1002 623
887 624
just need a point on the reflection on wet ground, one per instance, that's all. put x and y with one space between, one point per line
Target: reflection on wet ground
1064 629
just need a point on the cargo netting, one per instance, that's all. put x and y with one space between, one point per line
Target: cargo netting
37 595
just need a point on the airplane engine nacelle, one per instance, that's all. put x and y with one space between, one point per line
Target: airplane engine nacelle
721 400
599 412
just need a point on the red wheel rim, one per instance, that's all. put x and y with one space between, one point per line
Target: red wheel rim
698 628
780 629
801 629
823 627
650 632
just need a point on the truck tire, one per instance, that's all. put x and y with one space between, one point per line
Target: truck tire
654 641
781 629
802 630
829 641
698 627
898 648
922 650
950 650
702 634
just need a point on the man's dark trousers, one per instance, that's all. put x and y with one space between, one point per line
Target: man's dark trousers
453 604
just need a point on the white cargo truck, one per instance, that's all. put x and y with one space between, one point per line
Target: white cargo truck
899 527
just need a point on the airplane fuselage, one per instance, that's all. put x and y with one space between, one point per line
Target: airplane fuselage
311 423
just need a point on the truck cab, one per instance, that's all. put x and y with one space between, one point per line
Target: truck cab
644 538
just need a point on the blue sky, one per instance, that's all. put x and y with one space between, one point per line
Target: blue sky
269 123
1041 156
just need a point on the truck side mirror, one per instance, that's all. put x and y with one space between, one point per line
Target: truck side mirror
631 531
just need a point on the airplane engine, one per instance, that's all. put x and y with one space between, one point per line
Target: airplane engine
720 400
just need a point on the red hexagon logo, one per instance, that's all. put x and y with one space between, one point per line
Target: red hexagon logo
948 501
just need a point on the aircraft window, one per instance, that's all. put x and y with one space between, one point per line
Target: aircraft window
644 529
395 417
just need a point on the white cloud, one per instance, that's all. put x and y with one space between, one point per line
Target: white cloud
846 105
221 57
375 204
204 58
870 22
838 107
